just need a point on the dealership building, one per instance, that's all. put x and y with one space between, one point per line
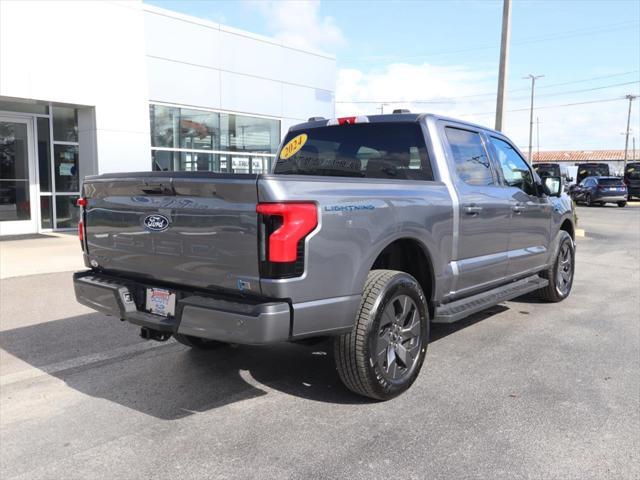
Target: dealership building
99 87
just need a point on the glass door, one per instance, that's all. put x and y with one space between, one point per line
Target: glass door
18 188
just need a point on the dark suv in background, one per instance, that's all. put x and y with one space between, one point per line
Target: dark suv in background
632 179
600 190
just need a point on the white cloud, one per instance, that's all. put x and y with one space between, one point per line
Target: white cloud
299 24
460 90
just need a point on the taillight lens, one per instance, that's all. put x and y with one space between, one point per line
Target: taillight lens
283 228
82 203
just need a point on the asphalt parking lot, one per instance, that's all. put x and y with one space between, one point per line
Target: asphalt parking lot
524 390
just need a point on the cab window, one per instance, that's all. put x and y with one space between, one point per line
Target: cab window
515 170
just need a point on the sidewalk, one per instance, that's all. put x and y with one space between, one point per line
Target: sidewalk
56 252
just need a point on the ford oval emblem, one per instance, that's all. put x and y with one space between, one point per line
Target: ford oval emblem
156 222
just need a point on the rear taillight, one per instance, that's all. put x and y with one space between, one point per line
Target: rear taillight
283 228
82 203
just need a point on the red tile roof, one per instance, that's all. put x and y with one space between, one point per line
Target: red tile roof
581 155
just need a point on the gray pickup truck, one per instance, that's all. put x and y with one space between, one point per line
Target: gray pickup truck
368 230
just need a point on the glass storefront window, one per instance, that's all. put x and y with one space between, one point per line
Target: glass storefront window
197 162
250 134
44 155
65 124
188 130
199 130
67 213
164 123
66 168
46 211
164 161
24 107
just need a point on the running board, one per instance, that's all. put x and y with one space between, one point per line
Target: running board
459 309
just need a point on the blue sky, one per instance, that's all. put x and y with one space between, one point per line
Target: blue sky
447 52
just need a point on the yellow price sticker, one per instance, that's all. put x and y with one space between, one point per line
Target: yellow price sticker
293 146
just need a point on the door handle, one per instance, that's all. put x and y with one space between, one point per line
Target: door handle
518 208
472 209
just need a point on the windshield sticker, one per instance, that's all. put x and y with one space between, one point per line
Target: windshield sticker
293 146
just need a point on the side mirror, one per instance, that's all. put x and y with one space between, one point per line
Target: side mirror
552 186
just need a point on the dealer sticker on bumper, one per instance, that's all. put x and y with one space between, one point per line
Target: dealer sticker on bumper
161 302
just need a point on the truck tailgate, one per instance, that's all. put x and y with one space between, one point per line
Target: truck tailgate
192 229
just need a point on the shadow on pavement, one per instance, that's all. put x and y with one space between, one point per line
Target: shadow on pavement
171 381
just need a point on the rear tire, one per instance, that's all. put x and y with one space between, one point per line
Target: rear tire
622 204
383 354
560 274
198 343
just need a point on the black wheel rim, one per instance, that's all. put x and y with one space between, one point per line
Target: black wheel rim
399 341
564 269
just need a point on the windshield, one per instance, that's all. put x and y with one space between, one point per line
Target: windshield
632 172
372 150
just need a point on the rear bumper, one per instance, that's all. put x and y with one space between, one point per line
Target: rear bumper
610 198
222 319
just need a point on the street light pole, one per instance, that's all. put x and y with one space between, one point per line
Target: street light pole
626 139
533 86
504 59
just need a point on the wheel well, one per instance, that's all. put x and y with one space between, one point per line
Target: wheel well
567 226
407 255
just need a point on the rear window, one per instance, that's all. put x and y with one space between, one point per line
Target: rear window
367 150
610 182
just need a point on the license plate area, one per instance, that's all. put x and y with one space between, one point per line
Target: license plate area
160 302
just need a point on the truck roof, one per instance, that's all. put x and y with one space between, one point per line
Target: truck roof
393 117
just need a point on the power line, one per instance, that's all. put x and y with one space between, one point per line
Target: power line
544 107
452 99
592 30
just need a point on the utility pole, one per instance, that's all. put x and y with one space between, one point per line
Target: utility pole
504 60
537 137
533 87
634 149
626 137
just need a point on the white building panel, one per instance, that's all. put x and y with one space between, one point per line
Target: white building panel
241 93
266 57
182 83
175 38
304 102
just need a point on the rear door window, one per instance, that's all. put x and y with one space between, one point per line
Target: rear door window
368 150
471 160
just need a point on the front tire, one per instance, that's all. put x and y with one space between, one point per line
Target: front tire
588 201
382 355
622 204
560 274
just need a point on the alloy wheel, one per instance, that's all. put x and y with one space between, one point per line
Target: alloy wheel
399 338
564 269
